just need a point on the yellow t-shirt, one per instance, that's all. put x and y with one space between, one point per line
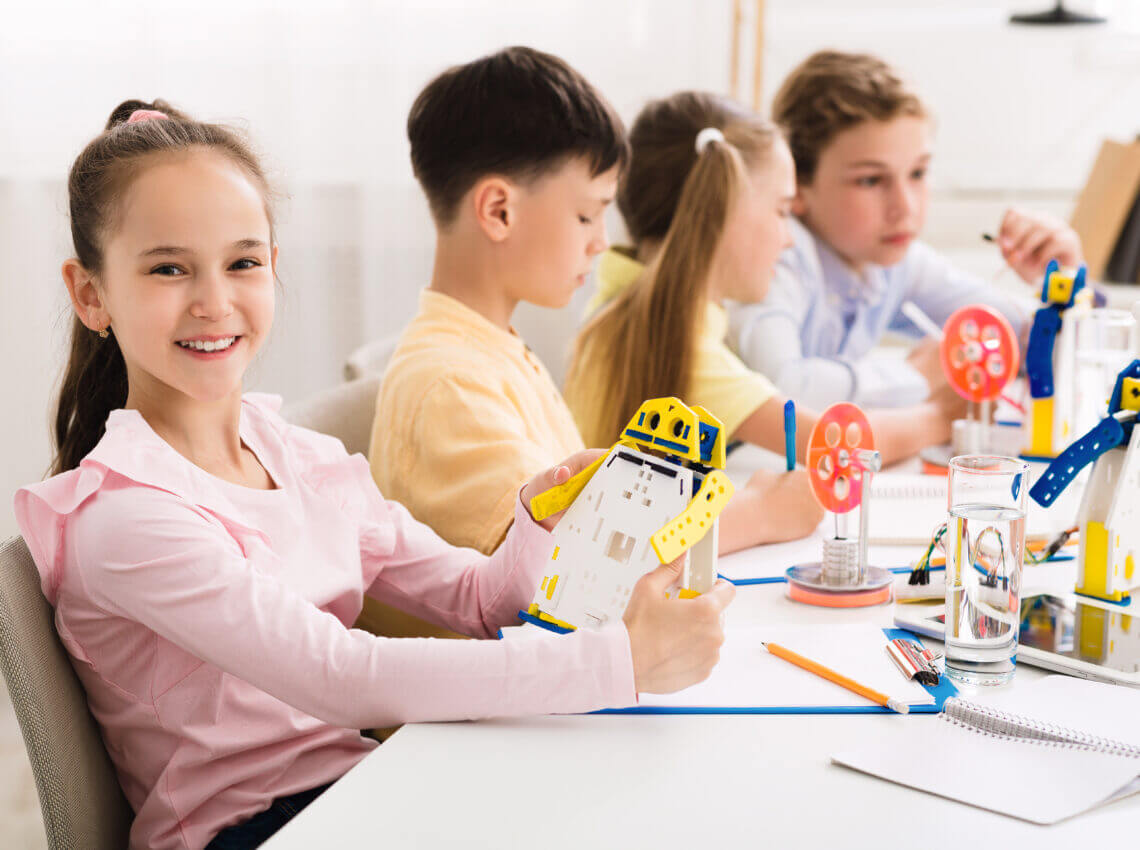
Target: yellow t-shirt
721 382
466 415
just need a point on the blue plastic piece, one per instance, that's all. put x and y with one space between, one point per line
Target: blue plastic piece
1107 435
1039 352
1052 266
707 441
790 434
1132 370
535 621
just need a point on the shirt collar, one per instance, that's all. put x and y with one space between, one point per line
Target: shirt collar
131 448
868 286
438 306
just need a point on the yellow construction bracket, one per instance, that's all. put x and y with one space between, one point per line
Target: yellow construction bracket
683 532
1041 437
562 496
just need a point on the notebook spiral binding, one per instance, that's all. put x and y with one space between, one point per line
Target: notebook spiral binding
990 721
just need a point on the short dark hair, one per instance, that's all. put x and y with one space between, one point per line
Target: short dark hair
518 112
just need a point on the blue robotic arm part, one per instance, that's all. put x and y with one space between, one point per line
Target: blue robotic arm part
1113 431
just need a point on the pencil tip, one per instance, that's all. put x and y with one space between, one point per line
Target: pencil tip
900 707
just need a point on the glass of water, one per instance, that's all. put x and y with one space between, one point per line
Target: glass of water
985 545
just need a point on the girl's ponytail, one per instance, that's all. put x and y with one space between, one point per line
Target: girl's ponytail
679 196
94 384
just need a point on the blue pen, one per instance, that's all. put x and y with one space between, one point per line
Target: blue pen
790 433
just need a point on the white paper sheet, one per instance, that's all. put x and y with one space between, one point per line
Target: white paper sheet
749 677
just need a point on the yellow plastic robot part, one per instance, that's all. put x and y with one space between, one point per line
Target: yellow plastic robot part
1130 394
1041 438
560 497
1060 288
719 451
535 611
687 593
1093 628
1093 577
666 425
688 527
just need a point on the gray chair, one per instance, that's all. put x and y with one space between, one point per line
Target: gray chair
82 802
344 411
370 359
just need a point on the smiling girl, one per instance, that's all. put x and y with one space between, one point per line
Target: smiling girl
206 559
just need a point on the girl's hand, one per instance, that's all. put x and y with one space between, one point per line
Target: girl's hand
674 642
553 477
786 504
1029 241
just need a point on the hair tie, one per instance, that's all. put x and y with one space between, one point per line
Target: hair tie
147 115
708 136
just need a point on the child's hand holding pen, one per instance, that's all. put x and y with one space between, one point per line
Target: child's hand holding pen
1028 241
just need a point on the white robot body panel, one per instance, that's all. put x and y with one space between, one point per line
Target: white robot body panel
1124 520
602 543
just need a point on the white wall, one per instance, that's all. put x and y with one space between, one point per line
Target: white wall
324 88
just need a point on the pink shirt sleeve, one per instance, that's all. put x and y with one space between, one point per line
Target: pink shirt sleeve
182 576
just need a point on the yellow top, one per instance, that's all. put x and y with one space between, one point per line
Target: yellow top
466 415
721 383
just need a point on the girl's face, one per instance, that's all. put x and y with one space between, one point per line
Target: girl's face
868 197
188 279
756 230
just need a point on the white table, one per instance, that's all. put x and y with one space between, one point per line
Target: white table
664 781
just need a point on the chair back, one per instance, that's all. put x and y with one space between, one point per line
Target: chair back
82 802
371 359
344 411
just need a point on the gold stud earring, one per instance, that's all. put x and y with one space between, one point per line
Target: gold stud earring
103 334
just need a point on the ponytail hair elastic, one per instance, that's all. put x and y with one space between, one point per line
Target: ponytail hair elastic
147 115
706 137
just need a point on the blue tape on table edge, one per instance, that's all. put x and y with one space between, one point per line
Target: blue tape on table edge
941 692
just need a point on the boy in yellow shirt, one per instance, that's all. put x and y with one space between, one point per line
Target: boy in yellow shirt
519 157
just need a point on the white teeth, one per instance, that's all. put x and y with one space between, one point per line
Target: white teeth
211 345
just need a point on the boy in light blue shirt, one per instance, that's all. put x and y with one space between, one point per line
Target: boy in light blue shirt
861 143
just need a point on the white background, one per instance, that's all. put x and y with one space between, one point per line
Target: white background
324 89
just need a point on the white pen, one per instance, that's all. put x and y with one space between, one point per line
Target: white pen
925 324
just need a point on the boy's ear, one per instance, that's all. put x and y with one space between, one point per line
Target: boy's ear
84 294
494 201
799 205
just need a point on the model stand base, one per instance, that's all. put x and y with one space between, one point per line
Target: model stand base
808 583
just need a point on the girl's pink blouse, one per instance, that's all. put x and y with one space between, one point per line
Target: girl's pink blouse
211 624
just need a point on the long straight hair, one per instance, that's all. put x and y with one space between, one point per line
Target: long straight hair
647 336
95 378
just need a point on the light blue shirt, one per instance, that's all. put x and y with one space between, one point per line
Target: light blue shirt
814 333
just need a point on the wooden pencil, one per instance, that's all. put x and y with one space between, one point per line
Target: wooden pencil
839 679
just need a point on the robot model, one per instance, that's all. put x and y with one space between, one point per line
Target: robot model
1050 362
1109 515
655 496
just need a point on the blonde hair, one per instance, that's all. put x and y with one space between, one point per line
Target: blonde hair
830 92
647 335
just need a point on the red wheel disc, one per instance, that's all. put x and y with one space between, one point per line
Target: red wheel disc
836 474
979 352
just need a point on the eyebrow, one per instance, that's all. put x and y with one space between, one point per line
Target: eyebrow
874 163
166 250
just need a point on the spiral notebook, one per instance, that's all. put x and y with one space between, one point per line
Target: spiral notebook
908 507
1043 753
